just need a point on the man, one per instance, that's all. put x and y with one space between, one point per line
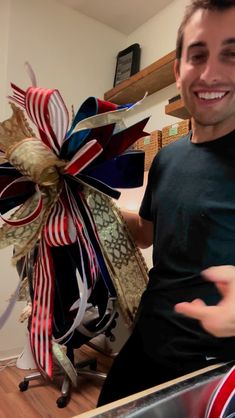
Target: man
188 213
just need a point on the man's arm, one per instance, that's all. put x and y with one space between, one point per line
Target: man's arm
141 229
219 320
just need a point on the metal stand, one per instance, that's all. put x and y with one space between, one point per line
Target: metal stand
63 400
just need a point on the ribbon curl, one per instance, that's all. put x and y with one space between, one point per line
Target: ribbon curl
46 178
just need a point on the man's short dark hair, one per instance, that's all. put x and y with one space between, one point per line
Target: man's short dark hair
195 5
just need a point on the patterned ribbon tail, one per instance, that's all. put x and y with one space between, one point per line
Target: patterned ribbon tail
42 311
124 260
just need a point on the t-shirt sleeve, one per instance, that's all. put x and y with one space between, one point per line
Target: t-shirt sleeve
146 204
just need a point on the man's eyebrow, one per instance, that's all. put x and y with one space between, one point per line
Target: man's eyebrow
197 44
229 41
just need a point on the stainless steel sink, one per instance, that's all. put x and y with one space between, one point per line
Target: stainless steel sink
187 399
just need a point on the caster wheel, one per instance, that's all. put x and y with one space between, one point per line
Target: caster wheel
62 401
23 385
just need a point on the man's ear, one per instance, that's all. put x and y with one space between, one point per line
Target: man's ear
177 73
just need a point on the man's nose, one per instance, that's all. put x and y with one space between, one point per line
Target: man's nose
211 72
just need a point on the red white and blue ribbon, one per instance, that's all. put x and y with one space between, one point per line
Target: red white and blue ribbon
96 138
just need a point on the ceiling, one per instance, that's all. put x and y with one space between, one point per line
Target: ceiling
122 15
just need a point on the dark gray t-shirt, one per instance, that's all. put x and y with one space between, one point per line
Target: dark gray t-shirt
190 198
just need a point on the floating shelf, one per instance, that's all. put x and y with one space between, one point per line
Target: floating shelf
151 79
177 109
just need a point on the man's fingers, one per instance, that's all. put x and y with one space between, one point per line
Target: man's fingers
195 309
219 320
198 302
224 279
219 273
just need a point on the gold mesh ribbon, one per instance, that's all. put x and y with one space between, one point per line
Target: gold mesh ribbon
126 264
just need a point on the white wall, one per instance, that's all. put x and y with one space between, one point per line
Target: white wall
10 334
4 35
157 37
66 49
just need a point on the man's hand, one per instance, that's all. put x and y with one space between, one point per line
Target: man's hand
218 320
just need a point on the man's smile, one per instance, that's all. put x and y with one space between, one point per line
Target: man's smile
211 95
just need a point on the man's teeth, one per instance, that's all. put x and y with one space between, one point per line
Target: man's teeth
211 95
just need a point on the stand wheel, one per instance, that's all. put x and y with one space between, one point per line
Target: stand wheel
23 385
62 401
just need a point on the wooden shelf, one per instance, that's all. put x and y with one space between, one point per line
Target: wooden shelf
153 78
177 109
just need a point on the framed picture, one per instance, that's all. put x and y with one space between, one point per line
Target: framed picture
128 63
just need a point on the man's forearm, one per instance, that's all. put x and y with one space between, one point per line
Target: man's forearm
141 230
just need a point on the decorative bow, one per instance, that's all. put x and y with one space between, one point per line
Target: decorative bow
45 177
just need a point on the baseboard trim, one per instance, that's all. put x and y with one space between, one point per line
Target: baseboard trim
6 355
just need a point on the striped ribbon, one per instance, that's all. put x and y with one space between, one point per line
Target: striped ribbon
32 216
222 398
42 311
83 157
59 228
47 110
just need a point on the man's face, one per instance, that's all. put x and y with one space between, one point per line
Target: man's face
206 72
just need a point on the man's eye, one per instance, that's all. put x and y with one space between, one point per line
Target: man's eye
229 54
197 58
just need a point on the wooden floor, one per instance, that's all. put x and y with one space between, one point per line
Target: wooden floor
39 400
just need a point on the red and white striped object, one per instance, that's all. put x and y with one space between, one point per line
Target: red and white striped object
42 313
222 396
83 157
47 110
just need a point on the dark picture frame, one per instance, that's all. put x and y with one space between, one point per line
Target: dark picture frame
128 63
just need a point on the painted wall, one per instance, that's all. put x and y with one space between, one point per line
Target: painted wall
4 39
157 37
67 50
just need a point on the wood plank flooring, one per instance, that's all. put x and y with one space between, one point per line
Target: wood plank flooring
39 400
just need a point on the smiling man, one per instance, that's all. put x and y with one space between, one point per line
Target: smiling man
205 73
188 214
